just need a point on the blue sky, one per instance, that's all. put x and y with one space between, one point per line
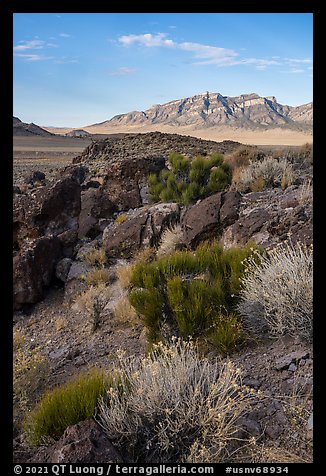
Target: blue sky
75 69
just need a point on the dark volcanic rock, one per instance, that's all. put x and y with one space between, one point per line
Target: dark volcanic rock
124 180
271 217
95 204
35 177
49 211
149 144
124 239
84 442
45 228
207 219
33 269
229 211
202 221
142 228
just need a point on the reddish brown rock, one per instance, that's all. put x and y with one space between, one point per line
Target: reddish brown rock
229 211
124 239
202 221
84 442
124 180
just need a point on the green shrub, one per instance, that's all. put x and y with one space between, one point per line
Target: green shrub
227 334
186 292
66 405
188 180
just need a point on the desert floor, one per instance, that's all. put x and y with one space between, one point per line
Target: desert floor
275 136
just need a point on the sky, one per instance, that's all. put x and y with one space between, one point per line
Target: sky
77 69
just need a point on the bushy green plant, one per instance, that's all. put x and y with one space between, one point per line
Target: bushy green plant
188 291
188 180
67 405
226 334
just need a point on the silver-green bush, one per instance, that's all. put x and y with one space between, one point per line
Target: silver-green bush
277 293
173 402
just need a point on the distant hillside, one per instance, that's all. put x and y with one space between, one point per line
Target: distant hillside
77 133
23 129
208 110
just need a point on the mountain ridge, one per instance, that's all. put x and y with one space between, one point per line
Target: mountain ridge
21 128
206 110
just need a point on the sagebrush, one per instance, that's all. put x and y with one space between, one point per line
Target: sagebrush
267 173
172 401
277 293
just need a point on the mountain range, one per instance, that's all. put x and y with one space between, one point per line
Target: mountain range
208 110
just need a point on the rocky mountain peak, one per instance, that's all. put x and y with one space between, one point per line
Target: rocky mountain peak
211 109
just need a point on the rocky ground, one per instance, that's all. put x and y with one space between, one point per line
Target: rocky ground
57 218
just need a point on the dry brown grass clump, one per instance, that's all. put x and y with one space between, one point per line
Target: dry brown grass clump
99 275
170 239
93 301
124 274
242 157
124 312
96 257
305 194
145 255
30 375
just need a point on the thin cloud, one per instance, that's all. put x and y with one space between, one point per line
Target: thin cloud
298 60
64 35
30 45
205 54
34 57
147 39
209 54
293 71
65 60
26 45
124 71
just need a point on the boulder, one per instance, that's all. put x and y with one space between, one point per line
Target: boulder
202 220
124 182
48 211
143 227
271 217
62 269
122 240
229 211
207 219
45 229
33 269
95 204
84 442
35 177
